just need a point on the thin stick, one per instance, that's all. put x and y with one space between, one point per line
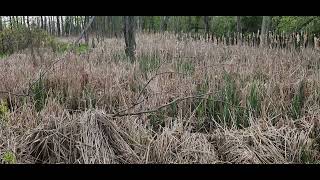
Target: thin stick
10 93
160 107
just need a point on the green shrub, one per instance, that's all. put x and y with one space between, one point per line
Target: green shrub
149 63
4 110
186 67
39 94
89 98
254 100
20 37
157 120
298 101
9 158
3 56
116 57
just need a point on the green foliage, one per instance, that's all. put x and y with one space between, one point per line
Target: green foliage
251 23
82 48
20 37
230 101
148 63
254 99
9 158
201 104
3 56
62 47
89 98
228 97
307 155
4 110
186 67
221 25
298 101
116 57
152 23
224 106
39 94
173 110
157 120
290 24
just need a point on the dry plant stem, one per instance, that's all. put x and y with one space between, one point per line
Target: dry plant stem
162 106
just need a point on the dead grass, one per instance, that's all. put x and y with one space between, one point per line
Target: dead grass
83 91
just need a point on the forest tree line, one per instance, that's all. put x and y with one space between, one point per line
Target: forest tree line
216 25
273 31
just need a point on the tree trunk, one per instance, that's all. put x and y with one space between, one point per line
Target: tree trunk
85 29
207 24
138 23
24 21
62 25
196 28
164 26
41 22
10 20
189 23
239 25
68 25
58 26
129 37
17 20
28 23
45 23
86 34
1 23
265 29
50 26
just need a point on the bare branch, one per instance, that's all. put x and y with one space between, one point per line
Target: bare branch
84 30
162 106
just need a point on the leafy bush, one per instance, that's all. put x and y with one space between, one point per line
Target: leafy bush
19 38
9 158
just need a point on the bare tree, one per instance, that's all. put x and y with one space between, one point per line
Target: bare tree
265 29
1 23
86 34
28 22
58 26
45 22
85 29
239 25
10 20
164 25
206 24
41 22
129 36
24 21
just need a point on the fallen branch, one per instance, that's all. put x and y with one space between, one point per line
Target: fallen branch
162 106
202 96
15 94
